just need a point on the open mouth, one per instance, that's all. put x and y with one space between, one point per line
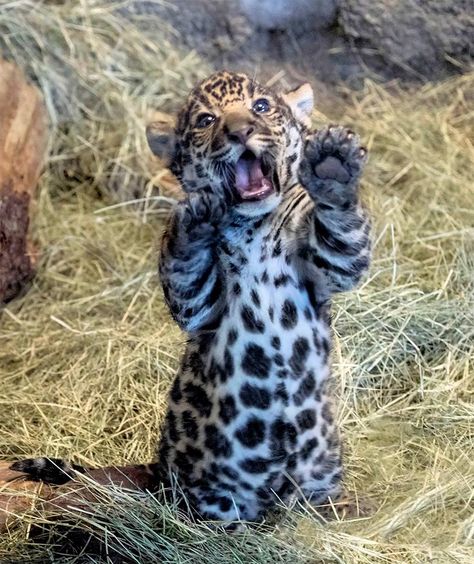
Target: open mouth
253 177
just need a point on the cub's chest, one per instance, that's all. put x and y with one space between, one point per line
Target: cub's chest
264 293
253 253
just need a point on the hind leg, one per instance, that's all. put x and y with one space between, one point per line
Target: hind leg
220 505
319 470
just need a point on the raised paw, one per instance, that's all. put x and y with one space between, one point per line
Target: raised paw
332 164
201 208
48 470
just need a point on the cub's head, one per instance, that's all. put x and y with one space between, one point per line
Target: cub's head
237 136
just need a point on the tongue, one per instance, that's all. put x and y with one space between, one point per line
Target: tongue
249 179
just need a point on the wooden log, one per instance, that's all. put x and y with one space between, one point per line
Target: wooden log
23 142
18 494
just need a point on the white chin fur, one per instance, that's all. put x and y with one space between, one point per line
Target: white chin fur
258 207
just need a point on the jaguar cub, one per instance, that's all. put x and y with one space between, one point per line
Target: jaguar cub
270 228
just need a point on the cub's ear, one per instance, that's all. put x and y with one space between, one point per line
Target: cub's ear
301 101
161 136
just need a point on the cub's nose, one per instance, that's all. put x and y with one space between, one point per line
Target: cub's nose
238 127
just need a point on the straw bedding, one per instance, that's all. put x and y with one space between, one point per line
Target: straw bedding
88 354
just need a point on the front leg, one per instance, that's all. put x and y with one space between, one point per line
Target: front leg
189 268
336 240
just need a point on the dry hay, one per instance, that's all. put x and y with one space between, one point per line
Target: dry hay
87 356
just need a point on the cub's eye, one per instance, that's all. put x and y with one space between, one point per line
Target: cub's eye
261 106
205 120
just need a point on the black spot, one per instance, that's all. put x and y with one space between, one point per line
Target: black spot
237 289
198 399
252 433
195 363
227 409
317 341
163 453
321 345
229 472
333 440
182 462
232 337
277 249
331 462
308 448
279 360
251 322
216 442
176 394
210 498
205 342
278 431
305 389
216 370
306 419
171 426
281 280
255 298
194 454
211 516
289 315
281 393
257 465
263 494
299 356
255 362
271 312
225 504
308 314
189 425
255 396
228 364
336 479
271 478
188 312
326 414
265 277
326 347
245 485
292 462
319 459
286 489
276 343
292 434
235 269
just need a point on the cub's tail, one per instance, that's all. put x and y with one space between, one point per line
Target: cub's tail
55 471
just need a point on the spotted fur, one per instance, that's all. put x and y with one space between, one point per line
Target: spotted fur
250 418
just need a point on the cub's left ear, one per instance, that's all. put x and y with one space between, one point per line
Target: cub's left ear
301 101
161 136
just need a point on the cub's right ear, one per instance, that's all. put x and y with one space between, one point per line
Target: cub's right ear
161 136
